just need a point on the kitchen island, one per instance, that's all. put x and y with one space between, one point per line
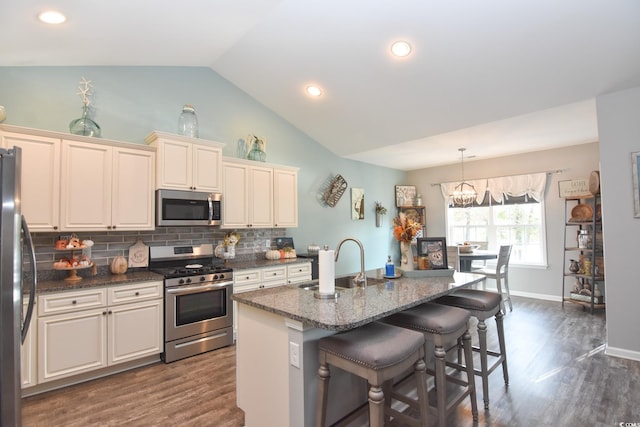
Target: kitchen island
276 350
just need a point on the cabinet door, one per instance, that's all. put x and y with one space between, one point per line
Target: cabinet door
132 205
235 196
207 173
86 186
40 179
71 343
28 356
175 165
135 330
285 203
260 197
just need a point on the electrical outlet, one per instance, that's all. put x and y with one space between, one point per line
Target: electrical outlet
294 354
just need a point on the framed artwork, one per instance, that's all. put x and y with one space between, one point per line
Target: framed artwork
432 253
357 203
405 195
635 168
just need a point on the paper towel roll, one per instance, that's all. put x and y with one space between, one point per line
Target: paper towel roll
327 271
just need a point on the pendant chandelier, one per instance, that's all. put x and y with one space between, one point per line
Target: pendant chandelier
464 194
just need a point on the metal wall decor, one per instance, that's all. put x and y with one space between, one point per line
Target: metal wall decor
334 190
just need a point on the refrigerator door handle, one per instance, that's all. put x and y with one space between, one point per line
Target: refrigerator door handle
34 279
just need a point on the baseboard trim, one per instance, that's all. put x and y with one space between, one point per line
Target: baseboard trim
622 353
544 297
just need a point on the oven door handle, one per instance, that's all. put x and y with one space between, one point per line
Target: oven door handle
197 288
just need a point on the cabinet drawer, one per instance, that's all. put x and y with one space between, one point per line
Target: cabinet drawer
247 276
303 269
136 292
274 273
238 289
71 301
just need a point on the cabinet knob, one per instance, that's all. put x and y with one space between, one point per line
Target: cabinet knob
137 294
110 312
114 227
55 227
74 302
104 313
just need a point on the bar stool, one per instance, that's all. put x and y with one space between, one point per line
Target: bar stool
376 352
482 305
443 326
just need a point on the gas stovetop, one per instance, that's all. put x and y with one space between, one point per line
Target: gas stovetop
176 262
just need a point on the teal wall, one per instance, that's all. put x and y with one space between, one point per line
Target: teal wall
130 102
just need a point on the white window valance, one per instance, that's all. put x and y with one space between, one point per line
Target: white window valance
501 188
529 185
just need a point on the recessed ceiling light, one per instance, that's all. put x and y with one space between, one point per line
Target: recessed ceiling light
313 90
52 17
401 48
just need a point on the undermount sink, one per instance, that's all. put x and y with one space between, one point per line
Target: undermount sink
345 282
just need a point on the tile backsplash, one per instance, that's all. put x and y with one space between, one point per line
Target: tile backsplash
109 244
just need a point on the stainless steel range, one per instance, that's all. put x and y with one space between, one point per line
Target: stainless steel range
198 306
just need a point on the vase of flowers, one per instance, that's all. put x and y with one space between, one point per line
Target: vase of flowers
380 211
405 230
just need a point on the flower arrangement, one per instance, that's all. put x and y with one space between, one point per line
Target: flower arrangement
380 209
405 229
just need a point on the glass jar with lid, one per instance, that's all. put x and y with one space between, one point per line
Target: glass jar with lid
584 239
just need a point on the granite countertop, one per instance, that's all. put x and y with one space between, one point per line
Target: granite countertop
354 307
95 281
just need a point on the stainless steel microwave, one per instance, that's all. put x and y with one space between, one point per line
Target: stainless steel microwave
187 208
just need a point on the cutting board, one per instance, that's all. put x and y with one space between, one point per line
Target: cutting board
139 254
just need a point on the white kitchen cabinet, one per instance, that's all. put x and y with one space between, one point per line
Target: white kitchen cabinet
285 198
186 163
106 187
299 273
82 331
40 178
247 196
28 356
258 195
268 277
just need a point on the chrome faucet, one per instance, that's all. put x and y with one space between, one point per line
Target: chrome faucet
361 278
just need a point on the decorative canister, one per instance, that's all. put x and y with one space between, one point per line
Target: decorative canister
188 122
584 239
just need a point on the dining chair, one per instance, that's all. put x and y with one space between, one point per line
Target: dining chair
453 257
501 275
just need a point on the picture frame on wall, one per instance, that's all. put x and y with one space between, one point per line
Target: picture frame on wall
432 253
405 195
635 169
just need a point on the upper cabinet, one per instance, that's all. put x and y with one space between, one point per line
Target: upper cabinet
106 187
72 182
258 195
186 163
40 178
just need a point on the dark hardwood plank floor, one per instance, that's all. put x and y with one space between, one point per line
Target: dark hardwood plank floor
559 376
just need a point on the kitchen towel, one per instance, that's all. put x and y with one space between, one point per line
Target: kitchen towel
327 271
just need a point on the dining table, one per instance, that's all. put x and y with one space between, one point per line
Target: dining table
467 258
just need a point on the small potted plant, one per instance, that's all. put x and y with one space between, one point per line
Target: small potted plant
380 210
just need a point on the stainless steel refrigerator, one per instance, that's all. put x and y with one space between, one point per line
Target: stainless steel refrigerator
13 234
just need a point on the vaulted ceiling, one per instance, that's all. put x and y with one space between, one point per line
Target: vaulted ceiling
497 77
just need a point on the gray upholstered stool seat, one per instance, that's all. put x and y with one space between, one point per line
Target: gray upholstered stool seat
482 305
377 352
443 326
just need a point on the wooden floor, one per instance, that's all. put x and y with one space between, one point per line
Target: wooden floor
559 376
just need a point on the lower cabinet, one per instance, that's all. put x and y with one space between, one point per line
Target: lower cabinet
82 331
267 277
28 352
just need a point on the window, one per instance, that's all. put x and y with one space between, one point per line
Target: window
517 222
